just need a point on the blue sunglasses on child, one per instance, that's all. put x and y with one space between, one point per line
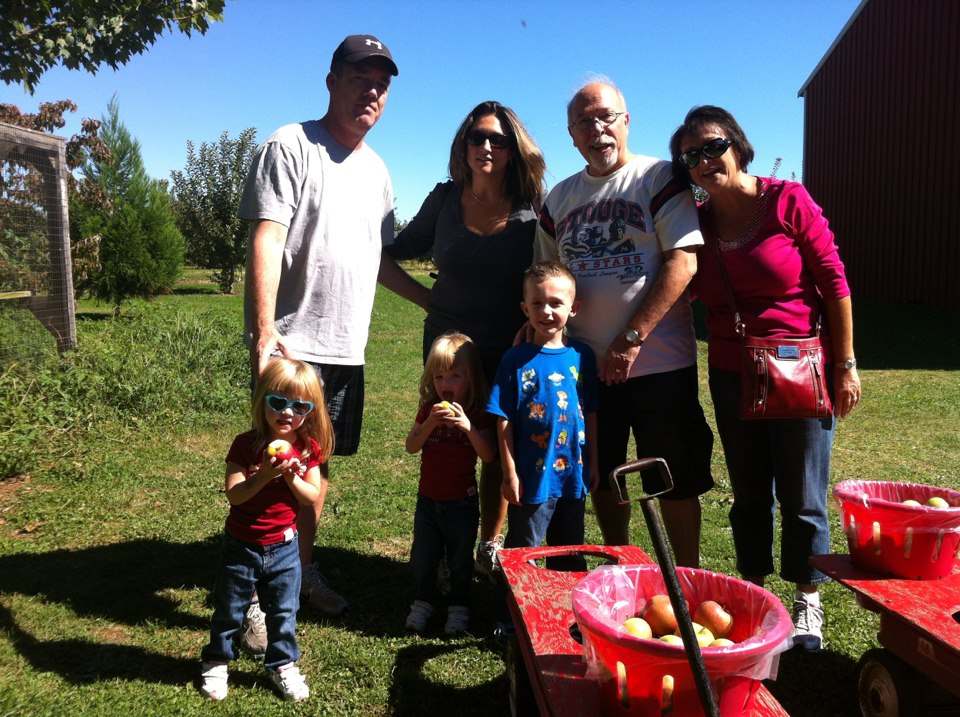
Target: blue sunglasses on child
279 404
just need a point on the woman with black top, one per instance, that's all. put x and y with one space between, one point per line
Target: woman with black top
479 228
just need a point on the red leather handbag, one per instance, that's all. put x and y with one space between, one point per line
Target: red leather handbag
779 378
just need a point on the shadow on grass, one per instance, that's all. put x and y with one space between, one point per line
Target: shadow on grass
816 684
195 289
414 692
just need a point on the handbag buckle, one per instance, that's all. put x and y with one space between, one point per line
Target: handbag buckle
788 353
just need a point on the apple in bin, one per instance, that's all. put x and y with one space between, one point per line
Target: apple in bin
704 635
638 627
280 449
714 617
912 503
937 502
659 614
722 642
672 639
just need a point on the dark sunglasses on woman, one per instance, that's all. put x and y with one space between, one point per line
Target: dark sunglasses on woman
711 150
279 404
477 137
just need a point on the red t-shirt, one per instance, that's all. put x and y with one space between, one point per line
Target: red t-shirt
266 516
448 463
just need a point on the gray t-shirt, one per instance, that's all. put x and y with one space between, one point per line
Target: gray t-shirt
337 206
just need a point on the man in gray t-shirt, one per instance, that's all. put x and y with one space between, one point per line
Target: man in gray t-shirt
321 204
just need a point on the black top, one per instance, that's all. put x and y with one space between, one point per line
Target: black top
480 283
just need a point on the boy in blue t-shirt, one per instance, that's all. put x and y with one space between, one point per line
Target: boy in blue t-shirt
545 398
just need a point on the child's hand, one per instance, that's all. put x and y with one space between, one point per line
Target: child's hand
440 412
457 418
511 489
290 468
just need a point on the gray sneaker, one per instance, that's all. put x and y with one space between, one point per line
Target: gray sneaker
486 563
315 592
253 634
808 625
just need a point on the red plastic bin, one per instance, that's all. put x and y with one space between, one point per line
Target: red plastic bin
610 594
887 537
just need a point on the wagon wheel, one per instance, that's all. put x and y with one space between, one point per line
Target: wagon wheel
887 686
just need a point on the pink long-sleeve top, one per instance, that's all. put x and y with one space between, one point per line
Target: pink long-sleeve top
778 276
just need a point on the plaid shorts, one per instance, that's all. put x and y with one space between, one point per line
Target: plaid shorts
343 392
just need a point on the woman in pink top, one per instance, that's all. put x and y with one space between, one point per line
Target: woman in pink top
786 275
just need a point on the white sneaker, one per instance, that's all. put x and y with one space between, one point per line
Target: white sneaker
213 680
420 613
486 562
290 682
458 620
808 622
253 634
315 592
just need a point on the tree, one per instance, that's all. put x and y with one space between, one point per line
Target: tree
84 34
141 249
207 202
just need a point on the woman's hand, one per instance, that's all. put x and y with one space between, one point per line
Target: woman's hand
846 390
524 335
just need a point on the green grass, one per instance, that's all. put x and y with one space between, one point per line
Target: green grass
111 504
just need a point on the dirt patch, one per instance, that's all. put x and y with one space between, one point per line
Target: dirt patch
112 634
9 488
396 548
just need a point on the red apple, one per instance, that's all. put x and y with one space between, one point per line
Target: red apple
280 449
711 615
659 613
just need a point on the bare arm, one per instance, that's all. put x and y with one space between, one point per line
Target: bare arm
679 266
239 488
511 481
306 489
267 240
846 382
419 434
401 283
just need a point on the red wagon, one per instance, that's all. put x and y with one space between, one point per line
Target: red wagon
920 634
548 659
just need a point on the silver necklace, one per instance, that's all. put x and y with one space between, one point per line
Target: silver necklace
750 229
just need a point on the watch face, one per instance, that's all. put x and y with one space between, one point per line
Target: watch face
632 336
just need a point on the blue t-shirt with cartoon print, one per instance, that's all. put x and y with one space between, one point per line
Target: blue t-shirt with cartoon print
545 393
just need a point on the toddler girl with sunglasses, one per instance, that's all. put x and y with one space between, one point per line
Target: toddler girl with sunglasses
450 431
260 538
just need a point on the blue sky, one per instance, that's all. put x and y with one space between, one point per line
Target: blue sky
265 64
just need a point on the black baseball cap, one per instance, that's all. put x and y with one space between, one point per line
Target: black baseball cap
355 48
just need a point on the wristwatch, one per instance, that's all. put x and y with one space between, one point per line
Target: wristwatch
632 337
848 364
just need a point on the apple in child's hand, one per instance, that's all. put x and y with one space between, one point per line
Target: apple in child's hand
659 614
638 627
937 502
446 405
912 503
712 616
280 449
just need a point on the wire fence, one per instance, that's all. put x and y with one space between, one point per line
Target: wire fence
37 312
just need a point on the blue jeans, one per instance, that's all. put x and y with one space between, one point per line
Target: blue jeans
274 570
784 458
559 521
444 526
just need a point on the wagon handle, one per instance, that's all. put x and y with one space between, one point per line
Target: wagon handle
668 569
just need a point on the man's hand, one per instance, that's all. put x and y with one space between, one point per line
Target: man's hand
616 362
263 347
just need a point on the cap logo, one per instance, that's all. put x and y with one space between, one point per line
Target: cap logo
374 42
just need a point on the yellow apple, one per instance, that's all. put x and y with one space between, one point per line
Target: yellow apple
704 636
937 502
280 449
672 639
722 642
912 503
638 627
